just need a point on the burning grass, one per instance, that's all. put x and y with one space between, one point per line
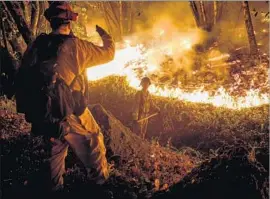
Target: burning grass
200 126
209 76
190 65
233 143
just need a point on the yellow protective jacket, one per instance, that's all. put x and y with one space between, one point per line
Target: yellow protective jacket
76 55
82 132
73 57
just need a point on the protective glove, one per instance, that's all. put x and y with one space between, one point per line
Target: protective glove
100 30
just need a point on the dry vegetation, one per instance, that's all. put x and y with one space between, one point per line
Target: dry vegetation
138 168
193 150
199 126
193 135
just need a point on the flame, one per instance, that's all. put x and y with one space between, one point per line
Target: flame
115 67
161 32
133 57
186 44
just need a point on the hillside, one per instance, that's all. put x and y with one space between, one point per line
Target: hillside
138 167
182 123
143 169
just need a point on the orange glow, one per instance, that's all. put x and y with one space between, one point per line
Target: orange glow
126 60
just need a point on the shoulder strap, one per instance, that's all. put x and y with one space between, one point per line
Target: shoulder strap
74 80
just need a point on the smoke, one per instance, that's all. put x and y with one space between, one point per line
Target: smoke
171 39
176 51
151 13
230 31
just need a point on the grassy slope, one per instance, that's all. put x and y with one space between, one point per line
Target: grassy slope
200 126
193 125
23 173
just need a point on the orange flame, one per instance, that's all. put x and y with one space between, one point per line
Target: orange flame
121 66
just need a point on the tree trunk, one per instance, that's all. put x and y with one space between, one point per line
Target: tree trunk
106 18
121 18
195 13
111 13
250 31
4 38
206 14
130 17
220 6
14 38
8 61
202 11
34 17
43 25
215 4
17 14
27 12
19 27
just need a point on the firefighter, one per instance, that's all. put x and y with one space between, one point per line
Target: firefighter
80 131
143 106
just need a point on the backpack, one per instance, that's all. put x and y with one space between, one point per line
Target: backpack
41 94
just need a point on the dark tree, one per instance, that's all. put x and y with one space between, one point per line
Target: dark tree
249 27
21 22
119 17
206 14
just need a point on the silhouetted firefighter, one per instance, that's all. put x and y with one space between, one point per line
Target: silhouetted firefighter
141 110
50 91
